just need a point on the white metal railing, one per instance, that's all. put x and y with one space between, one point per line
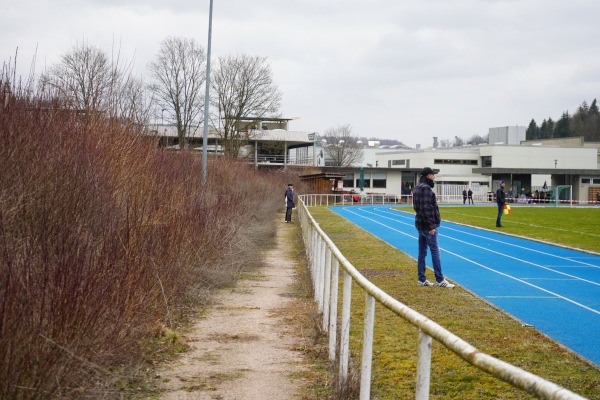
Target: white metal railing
347 199
325 260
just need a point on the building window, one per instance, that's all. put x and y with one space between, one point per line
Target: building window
596 181
486 161
398 162
379 180
367 180
585 181
349 181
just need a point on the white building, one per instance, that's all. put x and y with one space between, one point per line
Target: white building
525 168
507 135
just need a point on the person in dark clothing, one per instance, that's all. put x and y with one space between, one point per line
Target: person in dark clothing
464 196
500 200
427 222
289 203
470 196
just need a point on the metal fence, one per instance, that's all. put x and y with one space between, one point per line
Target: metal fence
325 261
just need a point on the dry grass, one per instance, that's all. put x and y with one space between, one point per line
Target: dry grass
469 317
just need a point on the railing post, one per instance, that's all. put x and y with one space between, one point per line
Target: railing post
320 273
326 288
367 352
317 263
345 328
315 260
423 366
333 304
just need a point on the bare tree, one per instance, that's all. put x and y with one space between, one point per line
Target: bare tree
83 78
343 148
133 103
180 73
477 139
87 80
446 143
243 87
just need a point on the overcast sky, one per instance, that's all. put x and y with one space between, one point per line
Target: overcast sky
394 69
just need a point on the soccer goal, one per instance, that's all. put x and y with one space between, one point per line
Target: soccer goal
562 195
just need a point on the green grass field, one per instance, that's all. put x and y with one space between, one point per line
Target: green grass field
469 317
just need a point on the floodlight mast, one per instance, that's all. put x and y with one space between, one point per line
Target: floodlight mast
206 97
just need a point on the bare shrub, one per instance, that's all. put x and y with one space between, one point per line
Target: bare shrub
103 239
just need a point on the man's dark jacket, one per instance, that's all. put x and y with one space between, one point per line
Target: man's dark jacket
289 198
500 199
425 205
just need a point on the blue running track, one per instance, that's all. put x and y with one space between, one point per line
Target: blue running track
557 290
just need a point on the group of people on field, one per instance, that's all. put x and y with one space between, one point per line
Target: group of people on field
467 195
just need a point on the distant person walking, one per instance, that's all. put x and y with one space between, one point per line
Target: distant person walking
427 222
289 203
500 200
470 196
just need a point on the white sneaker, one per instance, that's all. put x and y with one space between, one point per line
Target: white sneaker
445 284
426 283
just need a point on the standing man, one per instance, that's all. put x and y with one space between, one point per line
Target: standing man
470 194
500 200
427 222
465 196
289 203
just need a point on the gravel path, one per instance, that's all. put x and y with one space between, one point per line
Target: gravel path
241 350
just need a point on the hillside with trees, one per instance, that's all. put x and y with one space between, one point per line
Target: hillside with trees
585 122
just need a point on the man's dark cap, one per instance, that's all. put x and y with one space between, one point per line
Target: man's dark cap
426 171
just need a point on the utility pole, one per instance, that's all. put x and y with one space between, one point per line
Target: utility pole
206 97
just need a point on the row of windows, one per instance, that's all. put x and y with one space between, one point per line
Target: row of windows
379 180
455 162
437 161
587 181
371 180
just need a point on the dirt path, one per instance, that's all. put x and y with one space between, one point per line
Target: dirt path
241 350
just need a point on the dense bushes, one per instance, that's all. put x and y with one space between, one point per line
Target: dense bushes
102 239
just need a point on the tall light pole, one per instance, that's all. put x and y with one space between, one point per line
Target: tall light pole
162 127
206 97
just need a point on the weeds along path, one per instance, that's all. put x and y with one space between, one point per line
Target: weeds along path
242 348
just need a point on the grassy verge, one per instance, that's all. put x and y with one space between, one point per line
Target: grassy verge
467 316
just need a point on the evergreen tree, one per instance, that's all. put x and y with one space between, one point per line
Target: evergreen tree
544 132
594 108
563 126
533 132
580 123
594 120
551 128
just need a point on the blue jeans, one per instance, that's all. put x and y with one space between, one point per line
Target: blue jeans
500 212
431 241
